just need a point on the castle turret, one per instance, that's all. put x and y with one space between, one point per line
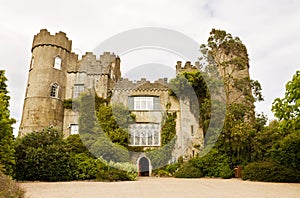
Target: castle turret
45 93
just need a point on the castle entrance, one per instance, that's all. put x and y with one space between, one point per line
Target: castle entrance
144 167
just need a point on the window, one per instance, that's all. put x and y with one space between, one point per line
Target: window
32 62
54 90
74 129
144 103
78 88
144 134
57 62
192 130
27 88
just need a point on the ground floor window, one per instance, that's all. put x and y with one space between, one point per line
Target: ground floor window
146 134
74 129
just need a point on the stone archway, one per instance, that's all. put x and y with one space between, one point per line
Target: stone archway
144 166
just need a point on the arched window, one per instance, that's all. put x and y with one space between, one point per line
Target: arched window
57 62
54 90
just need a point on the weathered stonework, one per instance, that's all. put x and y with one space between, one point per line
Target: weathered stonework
57 74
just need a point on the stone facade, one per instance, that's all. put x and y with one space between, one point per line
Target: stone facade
57 74
54 73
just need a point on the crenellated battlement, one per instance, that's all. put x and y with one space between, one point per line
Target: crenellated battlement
125 84
45 38
187 67
105 57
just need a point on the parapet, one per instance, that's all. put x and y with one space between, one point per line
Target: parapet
187 67
45 38
108 57
142 85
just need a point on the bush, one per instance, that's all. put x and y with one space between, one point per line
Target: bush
163 173
214 164
287 153
112 174
188 171
166 171
113 171
270 171
172 168
9 188
43 156
75 144
86 167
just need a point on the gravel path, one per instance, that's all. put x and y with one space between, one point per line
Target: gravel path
162 187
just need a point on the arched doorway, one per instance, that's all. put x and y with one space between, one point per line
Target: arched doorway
144 167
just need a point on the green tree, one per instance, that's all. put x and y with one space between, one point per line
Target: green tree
93 132
286 151
6 129
43 156
192 86
168 131
226 56
287 109
114 121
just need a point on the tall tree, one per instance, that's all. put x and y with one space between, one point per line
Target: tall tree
227 56
6 129
287 109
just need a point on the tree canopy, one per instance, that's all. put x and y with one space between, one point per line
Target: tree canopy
287 109
6 129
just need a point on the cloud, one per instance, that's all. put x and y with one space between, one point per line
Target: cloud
269 29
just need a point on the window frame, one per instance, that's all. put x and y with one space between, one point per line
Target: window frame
76 92
145 134
144 103
74 127
54 90
57 62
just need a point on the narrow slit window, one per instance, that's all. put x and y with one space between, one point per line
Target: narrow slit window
32 62
57 62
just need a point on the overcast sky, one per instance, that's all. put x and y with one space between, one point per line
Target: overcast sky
270 29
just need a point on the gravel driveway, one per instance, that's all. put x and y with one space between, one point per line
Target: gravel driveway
162 187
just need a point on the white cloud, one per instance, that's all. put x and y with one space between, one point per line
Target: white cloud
270 30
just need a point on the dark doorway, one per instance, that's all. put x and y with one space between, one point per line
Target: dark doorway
144 167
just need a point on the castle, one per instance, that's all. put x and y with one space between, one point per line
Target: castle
57 74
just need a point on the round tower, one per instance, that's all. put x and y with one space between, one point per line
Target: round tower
45 93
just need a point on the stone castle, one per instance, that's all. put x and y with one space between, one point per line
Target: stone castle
57 74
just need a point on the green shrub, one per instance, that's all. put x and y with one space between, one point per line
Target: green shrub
225 171
163 173
287 152
75 144
43 156
213 164
188 171
172 168
130 169
86 167
68 104
112 174
270 171
166 171
9 188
